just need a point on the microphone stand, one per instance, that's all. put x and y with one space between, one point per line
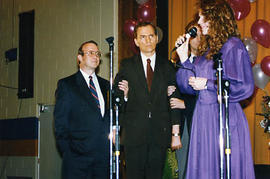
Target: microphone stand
226 87
117 138
218 65
111 46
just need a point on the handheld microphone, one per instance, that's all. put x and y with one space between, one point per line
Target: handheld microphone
191 33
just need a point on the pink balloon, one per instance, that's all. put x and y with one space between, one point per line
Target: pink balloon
133 47
146 13
265 65
241 8
129 27
260 32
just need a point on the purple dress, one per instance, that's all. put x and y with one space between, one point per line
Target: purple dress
203 158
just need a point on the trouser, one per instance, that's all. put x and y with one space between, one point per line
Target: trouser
145 161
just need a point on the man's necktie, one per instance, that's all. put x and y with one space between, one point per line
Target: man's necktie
93 91
149 74
194 58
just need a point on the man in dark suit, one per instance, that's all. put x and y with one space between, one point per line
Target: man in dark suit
82 120
148 124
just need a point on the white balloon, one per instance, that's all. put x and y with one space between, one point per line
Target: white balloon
251 47
159 34
141 1
260 79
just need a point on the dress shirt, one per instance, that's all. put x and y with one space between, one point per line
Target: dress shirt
100 96
144 61
191 58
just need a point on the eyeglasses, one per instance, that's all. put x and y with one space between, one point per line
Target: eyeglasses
92 53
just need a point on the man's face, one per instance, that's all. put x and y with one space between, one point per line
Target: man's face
146 40
91 58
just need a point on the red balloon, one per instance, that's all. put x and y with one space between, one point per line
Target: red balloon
133 47
265 65
260 32
241 8
129 27
145 13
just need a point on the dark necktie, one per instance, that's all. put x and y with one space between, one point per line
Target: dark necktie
93 91
149 73
194 58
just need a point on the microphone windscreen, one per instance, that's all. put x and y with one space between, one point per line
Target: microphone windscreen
193 32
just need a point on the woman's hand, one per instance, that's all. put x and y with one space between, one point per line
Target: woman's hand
182 50
198 83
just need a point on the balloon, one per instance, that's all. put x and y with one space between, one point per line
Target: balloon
260 79
129 27
133 47
265 65
251 47
141 1
241 8
145 13
260 32
159 34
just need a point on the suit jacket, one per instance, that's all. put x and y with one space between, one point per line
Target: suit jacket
79 125
146 117
187 113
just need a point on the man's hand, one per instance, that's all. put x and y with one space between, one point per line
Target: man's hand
171 90
176 140
176 143
176 103
123 85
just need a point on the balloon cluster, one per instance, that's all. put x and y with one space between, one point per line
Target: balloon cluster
145 13
260 32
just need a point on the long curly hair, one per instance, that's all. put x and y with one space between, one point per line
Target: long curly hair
222 25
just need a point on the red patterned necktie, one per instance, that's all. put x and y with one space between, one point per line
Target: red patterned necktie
93 91
149 73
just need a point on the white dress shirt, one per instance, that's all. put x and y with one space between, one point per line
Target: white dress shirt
144 61
100 96
191 57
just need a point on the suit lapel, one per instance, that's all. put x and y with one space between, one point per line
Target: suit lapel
158 76
139 70
85 91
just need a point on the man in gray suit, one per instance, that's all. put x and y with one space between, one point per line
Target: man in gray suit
149 125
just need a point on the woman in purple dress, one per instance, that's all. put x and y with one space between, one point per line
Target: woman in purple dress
221 35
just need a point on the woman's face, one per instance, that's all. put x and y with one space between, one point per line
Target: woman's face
204 24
